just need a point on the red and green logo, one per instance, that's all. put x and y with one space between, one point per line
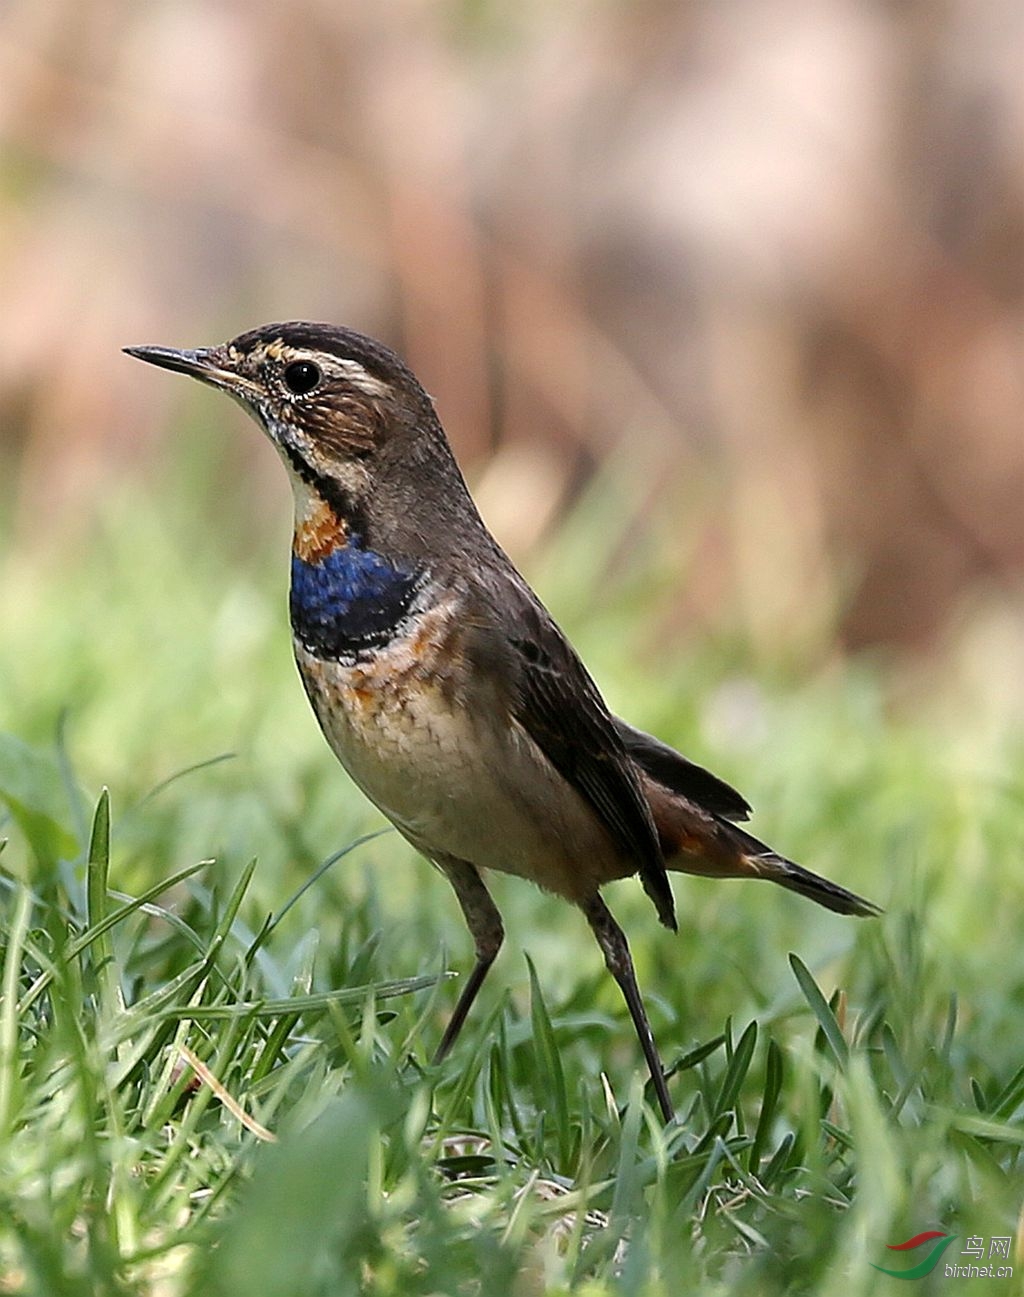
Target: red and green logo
939 1242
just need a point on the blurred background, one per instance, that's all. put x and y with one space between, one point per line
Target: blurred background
757 268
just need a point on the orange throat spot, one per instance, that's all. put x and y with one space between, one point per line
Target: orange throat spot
318 535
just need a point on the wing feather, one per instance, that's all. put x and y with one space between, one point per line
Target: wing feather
561 708
681 775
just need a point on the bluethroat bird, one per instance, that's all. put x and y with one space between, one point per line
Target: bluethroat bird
442 683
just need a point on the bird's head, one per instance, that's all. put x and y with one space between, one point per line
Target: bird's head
341 409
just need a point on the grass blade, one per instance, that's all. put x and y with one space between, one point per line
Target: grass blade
303 1004
97 873
821 1010
9 1075
550 1063
736 1072
75 948
769 1105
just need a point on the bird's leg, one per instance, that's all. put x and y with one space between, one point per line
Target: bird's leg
485 924
612 941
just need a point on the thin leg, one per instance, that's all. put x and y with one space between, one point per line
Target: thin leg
612 941
485 924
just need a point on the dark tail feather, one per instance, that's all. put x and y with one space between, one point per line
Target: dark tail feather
766 863
831 895
696 840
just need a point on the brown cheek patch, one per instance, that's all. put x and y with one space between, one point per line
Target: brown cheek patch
345 425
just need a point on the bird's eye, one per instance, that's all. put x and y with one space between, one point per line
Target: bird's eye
301 376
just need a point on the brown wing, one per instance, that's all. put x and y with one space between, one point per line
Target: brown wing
680 775
560 707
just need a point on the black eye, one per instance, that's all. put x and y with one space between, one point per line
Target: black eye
301 376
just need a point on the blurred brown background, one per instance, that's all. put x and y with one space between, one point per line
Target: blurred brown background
769 253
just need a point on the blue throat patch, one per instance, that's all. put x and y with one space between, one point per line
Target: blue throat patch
351 601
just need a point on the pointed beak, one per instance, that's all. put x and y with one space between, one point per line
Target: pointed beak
206 364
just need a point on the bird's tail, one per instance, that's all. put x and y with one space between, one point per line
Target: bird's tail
698 841
769 864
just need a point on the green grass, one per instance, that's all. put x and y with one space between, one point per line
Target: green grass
840 1085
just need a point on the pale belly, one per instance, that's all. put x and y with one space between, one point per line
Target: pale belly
457 781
